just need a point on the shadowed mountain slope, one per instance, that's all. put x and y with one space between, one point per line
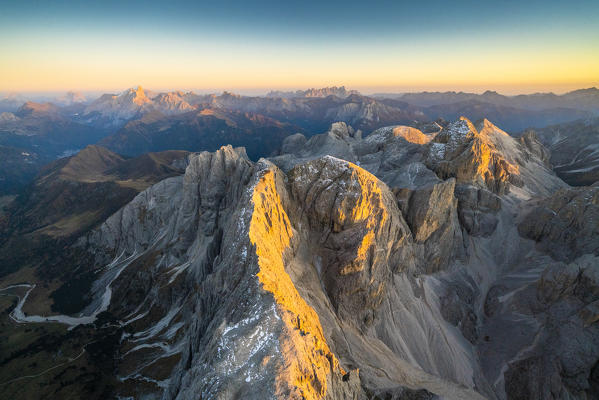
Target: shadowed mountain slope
574 150
73 194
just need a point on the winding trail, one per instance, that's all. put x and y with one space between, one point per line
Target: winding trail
69 360
17 318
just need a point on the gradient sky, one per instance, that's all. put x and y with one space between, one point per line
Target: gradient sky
509 46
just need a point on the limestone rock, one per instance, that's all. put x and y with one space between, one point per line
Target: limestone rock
562 361
293 143
565 224
477 209
432 216
471 157
532 143
240 280
389 266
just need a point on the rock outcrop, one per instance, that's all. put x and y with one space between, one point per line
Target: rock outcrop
566 225
477 209
531 141
432 215
472 157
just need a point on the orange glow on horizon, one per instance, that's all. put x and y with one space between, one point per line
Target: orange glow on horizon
267 67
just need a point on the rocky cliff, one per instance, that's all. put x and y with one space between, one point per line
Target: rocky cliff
402 265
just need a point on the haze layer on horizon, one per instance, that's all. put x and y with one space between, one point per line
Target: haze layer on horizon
380 46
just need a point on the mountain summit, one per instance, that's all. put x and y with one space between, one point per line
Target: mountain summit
341 92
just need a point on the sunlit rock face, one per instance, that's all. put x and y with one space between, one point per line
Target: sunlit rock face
310 369
471 157
119 108
412 135
204 299
356 232
354 267
461 193
240 280
172 103
113 110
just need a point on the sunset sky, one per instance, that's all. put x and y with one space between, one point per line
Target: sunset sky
245 46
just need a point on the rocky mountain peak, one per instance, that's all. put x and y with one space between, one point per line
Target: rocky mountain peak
31 108
341 130
412 135
172 103
340 92
113 110
484 157
334 90
486 127
137 95
456 133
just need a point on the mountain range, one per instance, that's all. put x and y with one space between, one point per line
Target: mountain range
438 260
136 120
322 92
582 99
